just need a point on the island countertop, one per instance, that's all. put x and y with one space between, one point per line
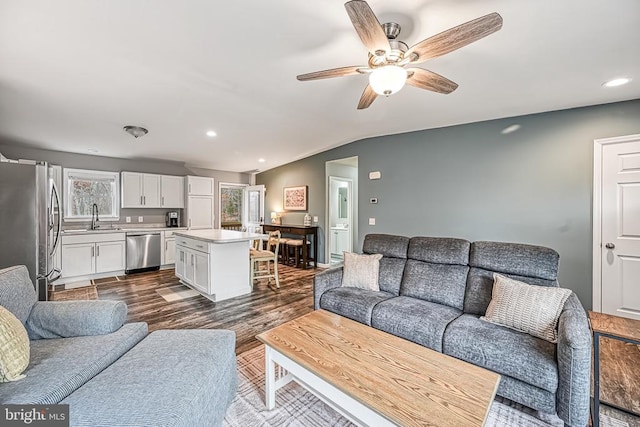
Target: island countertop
220 236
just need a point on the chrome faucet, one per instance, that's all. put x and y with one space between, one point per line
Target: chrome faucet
94 217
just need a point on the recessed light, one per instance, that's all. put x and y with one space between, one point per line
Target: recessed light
510 129
617 82
211 133
92 150
261 160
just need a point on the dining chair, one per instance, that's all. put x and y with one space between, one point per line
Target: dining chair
259 257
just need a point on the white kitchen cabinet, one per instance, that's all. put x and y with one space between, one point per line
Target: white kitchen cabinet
339 240
89 254
140 190
168 253
199 186
200 212
110 256
78 259
201 275
172 189
181 262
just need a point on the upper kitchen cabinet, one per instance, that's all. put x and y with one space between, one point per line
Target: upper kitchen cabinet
172 188
140 190
199 186
146 190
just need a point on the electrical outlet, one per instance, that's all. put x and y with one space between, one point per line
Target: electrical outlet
140 218
128 219
372 221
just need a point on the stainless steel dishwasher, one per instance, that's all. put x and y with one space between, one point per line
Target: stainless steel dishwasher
143 251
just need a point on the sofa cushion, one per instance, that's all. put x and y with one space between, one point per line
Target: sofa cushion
354 303
394 253
14 347
439 283
480 288
503 350
361 271
171 378
439 250
416 320
17 293
535 265
531 309
59 366
515 258
386 244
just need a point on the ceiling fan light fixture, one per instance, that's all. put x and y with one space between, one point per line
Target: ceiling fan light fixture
388 79
136 131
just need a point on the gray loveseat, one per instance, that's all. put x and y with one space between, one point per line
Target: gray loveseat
114 374
433 292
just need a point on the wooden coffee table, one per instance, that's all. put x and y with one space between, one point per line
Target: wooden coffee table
374 378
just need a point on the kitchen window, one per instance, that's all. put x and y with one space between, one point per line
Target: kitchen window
83 188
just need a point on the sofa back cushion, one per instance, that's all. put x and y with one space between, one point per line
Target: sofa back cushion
394 257
17 293
535 265
436 270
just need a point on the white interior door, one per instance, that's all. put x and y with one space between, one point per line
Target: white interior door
620 224
253 217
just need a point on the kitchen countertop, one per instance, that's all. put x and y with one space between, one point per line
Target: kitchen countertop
72 232
221 236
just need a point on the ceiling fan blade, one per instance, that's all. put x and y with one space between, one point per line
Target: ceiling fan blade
367 98
334 72
367 26
425 79
455 38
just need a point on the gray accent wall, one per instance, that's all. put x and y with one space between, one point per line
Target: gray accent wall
83 161
472 181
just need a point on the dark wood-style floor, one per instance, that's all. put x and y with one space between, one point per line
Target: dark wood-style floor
249 315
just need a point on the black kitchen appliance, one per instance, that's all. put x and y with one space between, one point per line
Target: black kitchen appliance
173 219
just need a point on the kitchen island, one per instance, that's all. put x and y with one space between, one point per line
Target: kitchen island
215 262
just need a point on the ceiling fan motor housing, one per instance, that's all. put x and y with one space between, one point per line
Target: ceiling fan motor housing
398 47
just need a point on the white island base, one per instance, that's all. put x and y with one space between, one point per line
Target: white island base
214 262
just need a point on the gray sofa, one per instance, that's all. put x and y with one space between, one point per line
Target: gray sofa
433 292
114 374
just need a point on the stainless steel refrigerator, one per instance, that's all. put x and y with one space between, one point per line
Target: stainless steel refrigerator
30 218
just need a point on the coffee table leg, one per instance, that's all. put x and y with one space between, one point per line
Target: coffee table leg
270 379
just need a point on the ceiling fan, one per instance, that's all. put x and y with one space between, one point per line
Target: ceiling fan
389 57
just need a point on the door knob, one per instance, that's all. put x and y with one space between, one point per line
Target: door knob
609 246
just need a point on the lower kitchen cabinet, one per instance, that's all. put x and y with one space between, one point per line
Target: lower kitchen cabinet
86 255
169 251
192 266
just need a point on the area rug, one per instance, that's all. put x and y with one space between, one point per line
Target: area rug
176 293
83 293
295 406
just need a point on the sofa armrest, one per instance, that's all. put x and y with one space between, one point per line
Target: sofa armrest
65 319
574 364
324 281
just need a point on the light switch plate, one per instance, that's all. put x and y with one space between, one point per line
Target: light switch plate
140 218
315 219
128 219
373 200
375 175
372 221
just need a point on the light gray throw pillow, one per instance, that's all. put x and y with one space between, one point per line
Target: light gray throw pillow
532 309
361 271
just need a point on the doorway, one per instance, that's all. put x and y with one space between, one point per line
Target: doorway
342 208
240 206
616 226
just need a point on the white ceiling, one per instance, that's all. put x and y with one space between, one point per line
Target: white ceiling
74 72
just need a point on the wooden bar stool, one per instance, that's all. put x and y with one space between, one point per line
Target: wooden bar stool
284 250
296 246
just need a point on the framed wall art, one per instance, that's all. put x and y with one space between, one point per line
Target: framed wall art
295 198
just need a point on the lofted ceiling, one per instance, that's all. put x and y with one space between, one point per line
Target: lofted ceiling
74 72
